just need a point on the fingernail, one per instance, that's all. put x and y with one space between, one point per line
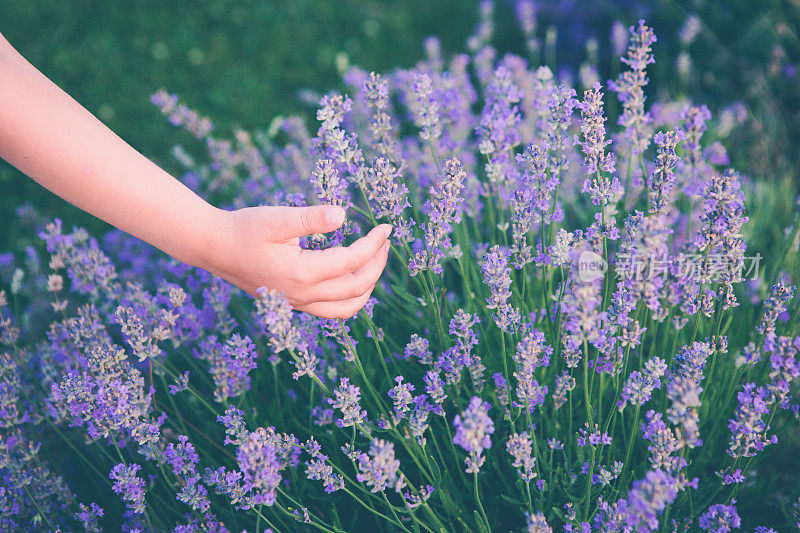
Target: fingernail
388 231
335 215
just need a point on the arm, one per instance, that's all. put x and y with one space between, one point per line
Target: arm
54 140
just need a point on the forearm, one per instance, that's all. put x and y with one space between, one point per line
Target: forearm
54 140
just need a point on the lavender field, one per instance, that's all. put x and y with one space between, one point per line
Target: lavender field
588 321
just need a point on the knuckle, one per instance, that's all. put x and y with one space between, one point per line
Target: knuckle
307 217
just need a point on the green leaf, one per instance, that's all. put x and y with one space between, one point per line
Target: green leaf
482 526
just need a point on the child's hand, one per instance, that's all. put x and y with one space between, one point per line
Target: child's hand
258 247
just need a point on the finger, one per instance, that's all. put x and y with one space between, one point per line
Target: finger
293 222
334 262
334 310
353 284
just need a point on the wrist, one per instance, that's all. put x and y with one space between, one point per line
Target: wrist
210 250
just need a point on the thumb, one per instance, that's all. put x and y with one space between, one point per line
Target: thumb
302 221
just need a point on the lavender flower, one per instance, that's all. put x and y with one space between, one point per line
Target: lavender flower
328 186
661 182
380 469
427 118
601 189
592 437
629 87
720 518
88 516
537 524
275 317
129 486
497 132
531 203
648 498
560 105
376 93
497 276
748 429
319 469
684 393
519 447
402 397
473 430
443 208
721 222
564 384
461 326
531 353
259 462
639 386
435 388
779 296
418 348
346 398
388 196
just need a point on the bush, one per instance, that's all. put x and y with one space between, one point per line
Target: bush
571 332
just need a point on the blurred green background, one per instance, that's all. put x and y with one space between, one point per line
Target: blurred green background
243 62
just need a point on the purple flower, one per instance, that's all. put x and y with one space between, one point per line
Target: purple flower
720 518
180 115
402 397
501 387
684 393
649 497
376 93
498 133
779 296
497 275
88 516
661 182
387 195
346 398
379 469
434 386
733 477
520 448
664 443
531 203
629 87
183 460
589 437
473 430
275 317
444 210
419 348
639 386
721 222
532 352
564 383
329 187
560 105
748 429
259 464
461 326
427 112
602 188
319 469
129 486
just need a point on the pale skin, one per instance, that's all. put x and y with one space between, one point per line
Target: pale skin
62 146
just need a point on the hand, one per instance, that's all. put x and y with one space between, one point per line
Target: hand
259 247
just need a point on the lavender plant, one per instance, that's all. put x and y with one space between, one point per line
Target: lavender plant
548 349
